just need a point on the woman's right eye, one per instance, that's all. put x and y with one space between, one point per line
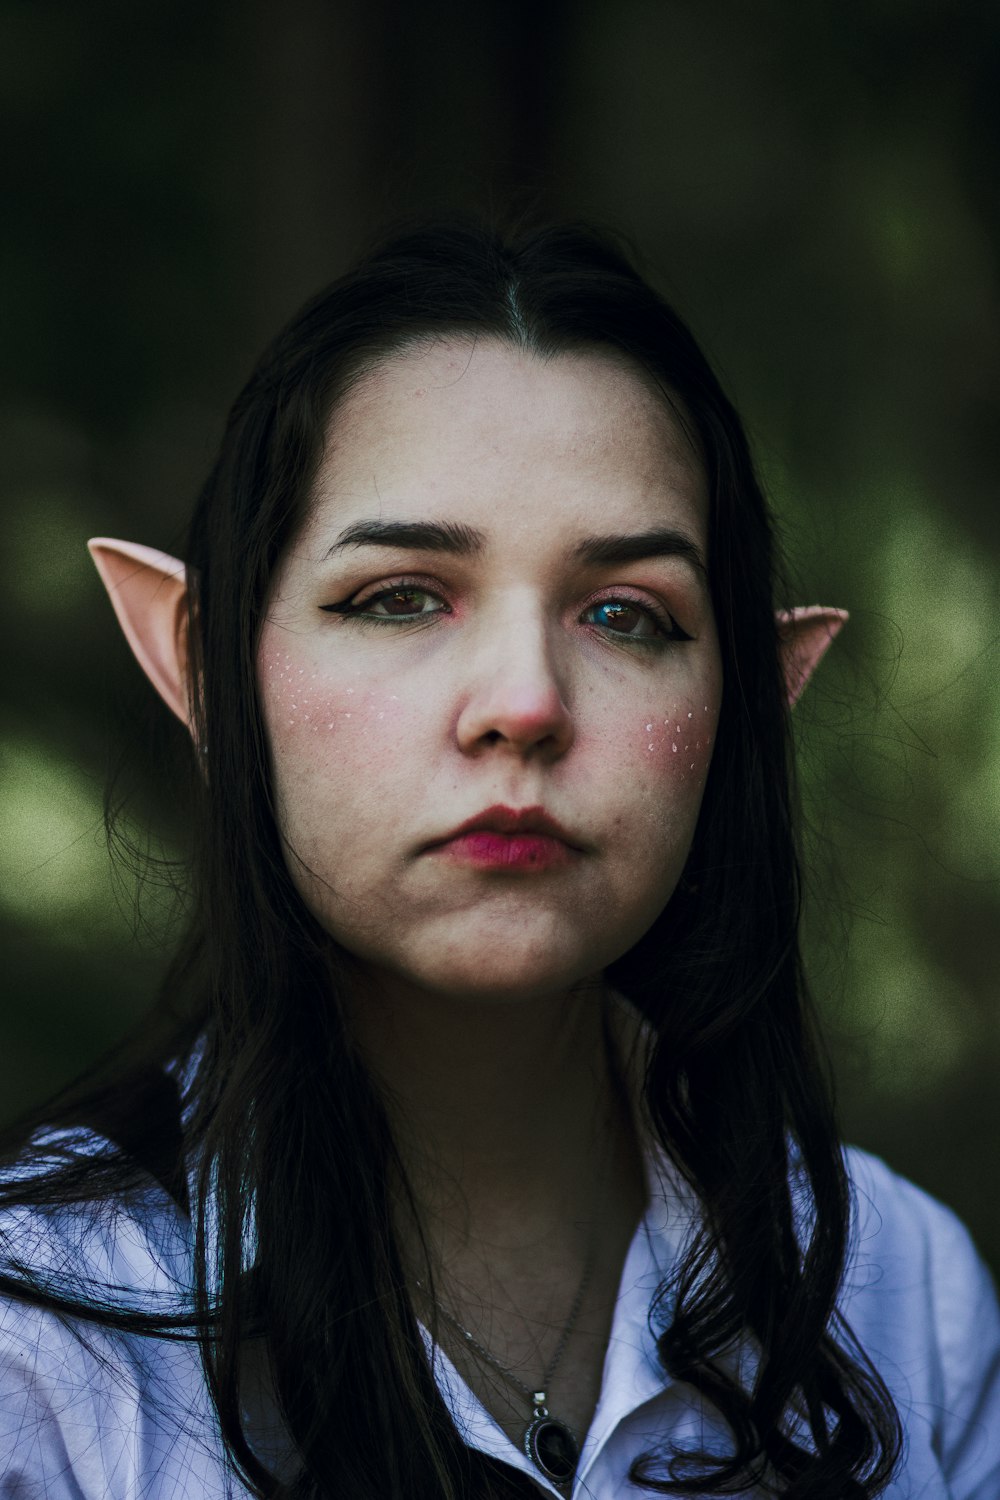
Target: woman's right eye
401 605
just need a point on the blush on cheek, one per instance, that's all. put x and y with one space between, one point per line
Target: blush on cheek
307 715
287 690
682 740
297 701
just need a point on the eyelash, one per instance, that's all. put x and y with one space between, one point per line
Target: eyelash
668 630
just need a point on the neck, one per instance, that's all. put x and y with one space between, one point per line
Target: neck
505 1113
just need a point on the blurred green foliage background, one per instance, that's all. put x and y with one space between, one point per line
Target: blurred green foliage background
815 185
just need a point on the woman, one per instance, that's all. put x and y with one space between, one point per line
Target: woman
500 1157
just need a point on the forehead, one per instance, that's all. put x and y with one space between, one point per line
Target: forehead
510 439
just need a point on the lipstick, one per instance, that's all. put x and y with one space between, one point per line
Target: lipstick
508 838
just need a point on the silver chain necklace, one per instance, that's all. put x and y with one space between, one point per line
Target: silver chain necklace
550 1444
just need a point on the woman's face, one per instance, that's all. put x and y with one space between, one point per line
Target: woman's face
498 600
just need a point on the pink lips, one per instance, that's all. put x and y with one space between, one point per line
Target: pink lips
506 838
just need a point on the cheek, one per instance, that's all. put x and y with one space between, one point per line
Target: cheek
676 745
658 782
332 735
299 704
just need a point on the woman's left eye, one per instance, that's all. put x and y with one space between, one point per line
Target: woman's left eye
636 622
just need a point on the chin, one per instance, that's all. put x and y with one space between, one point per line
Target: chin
485 963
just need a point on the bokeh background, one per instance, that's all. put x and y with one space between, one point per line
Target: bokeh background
815 185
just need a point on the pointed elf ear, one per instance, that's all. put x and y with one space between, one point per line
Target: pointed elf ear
805 634
148 590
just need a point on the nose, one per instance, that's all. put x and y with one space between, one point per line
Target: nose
515 696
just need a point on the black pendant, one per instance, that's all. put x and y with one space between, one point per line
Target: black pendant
552 1448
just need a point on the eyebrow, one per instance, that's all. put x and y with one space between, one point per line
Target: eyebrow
425 536
625 547
459 540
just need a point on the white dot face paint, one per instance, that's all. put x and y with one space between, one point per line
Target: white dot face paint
409 689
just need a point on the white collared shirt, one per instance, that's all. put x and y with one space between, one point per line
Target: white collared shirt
131 1417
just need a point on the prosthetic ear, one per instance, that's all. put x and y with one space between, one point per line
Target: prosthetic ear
805 634
148 590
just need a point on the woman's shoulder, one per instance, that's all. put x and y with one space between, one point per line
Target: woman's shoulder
74 1392
894 1222
922 1304
136 1241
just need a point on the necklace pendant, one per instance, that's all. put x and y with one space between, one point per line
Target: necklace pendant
550 1444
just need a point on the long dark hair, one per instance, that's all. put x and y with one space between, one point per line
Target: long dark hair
285 1130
